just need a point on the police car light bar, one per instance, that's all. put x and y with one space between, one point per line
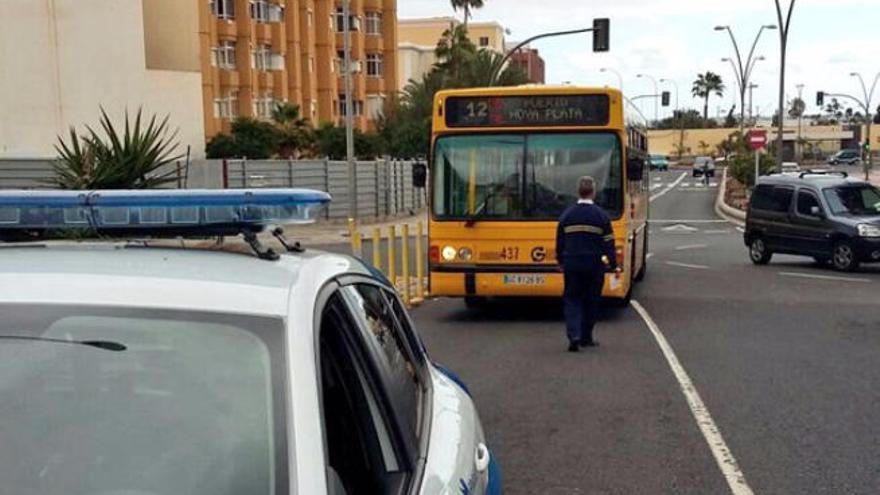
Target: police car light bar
156 213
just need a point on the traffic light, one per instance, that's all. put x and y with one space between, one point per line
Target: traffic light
664 98
820 98
601 35
867 146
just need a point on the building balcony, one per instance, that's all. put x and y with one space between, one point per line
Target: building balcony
374 43
229 78
375 85
263 33
227 28
265 79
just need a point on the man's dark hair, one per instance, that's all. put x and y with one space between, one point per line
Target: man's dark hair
586 187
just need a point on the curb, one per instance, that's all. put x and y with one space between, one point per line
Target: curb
725 211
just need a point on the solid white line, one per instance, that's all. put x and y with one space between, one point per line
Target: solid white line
691 246
687 265
668 188
736 480
688 221
825 277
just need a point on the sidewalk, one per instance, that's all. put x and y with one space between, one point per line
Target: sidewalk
336 232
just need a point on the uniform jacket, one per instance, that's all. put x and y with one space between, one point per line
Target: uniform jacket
583 236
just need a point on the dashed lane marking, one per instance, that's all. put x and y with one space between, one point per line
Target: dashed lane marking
668 188
686 184
690 247
827 278
687 265
716 232
734 476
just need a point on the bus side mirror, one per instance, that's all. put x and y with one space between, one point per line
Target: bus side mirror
635 169
419 175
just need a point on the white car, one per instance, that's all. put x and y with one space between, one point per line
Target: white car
790 168
127 369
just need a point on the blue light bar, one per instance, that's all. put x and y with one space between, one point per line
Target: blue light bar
158 212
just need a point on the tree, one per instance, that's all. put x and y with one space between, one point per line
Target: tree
467 6
706 85
688 119
730 120
131 160
796 108
251 138
295 135
704 148
454 50
486 69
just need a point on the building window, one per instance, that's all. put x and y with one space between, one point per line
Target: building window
263 57
224 9
264 105
374 65
357 104
260 10
224 55
375 106
354 21
484 41
374 23
226 107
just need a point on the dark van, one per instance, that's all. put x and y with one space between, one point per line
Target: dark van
826 216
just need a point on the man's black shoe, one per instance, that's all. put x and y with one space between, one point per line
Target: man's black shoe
589 343
573 347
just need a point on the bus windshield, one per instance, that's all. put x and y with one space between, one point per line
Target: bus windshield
523 176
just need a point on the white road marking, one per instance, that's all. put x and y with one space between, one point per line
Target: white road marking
649 256
687 265
686 184
658 179
716 232
825 277
736 480
713 184
680 228
689 247
656 186
741 230
668 188
699 184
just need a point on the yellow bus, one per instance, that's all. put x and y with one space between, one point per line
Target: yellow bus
505 164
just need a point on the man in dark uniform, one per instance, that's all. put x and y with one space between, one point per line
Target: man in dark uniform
585 251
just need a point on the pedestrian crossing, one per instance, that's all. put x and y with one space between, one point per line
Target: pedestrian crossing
686 185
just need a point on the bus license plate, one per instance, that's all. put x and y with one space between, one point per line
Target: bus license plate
524 279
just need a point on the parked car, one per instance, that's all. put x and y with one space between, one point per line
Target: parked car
197 370
845 157
704 165
790 168
659 163
823 215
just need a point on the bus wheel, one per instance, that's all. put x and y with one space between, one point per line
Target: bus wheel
644 269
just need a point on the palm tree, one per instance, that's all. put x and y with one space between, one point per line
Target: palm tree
705 85
486 70
454 50
294 131
467 6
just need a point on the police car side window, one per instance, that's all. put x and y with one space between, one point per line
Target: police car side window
390 350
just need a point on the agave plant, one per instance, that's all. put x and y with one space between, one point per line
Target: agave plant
137 159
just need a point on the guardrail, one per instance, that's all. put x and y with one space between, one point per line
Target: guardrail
399 252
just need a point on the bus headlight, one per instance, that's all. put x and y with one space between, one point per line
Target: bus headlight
448 253
465 254
866 230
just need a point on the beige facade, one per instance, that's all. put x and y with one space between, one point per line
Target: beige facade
257 53
419 37
65 59
705 141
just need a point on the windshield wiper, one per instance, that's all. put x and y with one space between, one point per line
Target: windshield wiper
472 218
106 345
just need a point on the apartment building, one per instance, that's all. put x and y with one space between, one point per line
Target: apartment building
418 38
257 53
530 61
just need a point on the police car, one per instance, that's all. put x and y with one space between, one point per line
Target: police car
132 369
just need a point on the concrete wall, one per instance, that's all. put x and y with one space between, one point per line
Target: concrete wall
414 61
64 59
171 32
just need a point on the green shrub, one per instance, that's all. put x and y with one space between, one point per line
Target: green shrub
742 168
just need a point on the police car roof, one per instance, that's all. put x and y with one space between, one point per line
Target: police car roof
106 274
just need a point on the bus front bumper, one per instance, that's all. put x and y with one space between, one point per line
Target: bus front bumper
510 281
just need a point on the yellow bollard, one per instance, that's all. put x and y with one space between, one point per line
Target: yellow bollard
377 248
420 261
391 273
404 261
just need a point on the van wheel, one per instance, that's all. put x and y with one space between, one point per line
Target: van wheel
758 252
844 257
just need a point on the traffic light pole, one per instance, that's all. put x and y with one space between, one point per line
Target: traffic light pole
869 119
349 113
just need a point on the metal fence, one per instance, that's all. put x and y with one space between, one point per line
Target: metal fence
385 187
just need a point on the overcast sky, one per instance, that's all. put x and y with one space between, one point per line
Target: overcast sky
674 39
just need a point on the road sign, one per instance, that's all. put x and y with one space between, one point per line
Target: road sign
757 139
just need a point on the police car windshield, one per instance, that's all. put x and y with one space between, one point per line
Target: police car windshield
192 405
523 176
854 200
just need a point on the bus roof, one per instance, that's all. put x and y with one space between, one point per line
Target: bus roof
528 90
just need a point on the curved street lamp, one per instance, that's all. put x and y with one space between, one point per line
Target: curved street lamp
656 95
743 68
615 72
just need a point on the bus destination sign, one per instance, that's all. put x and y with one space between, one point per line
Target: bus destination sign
526 111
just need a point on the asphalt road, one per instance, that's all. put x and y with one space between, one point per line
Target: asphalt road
783 356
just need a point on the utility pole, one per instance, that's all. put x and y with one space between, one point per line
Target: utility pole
784 26
349 112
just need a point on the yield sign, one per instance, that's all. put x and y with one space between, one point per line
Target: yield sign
757 139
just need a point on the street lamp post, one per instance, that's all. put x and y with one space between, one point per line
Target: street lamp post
615 72
656 92
784 25
868 105
596 29
800 148
349 112
677 109
752 86
743 69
